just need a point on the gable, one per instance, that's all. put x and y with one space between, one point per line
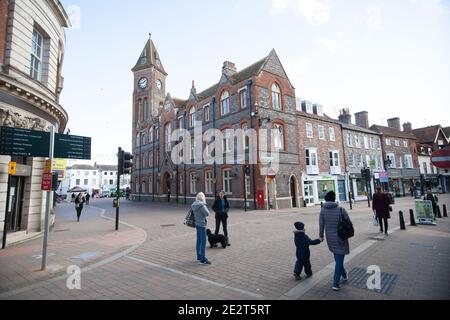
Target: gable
224 79
273 65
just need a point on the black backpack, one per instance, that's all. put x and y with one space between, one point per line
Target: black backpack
345 228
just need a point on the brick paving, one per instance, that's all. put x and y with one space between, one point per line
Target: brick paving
258 265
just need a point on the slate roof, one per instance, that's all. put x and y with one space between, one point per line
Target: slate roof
426 134
105 167
81 167
357 128
447 131
152 57
392 132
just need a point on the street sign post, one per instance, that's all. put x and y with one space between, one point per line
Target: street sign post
46 184
72 147
441 158
23 142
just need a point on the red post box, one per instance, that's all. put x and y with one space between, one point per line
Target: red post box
260 199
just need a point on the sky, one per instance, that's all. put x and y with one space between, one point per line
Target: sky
390 58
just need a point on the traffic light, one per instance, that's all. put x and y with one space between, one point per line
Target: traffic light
55 181
125 162
365 173
246 169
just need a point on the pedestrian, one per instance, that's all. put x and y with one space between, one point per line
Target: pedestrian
201 212
380 207
221 208
330 216
79 205
302 243
434 200
412 190
88 196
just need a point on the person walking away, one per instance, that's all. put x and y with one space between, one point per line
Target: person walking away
221 208
380 207
430 197
200 213
88 196
302 252
79 201
330 216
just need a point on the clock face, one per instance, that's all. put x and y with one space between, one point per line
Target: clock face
158 84
143 83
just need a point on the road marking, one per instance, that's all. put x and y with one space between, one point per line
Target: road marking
298 291
190 276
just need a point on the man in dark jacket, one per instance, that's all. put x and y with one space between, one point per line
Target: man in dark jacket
302 243
433 199
380 206
221 207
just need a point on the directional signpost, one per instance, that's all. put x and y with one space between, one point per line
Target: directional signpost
23 142
72 147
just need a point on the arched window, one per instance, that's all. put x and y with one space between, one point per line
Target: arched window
140 110
225 103
278 136
167 134
191 117
146 110
276 97
138 140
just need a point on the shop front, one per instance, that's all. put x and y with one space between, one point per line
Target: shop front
316 187
402 180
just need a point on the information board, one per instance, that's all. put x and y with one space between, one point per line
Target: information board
72 147
24 142
424 212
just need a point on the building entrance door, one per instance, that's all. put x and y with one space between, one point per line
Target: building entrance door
309 193
293 192
342 190
16 187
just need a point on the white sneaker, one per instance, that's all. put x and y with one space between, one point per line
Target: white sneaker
336 288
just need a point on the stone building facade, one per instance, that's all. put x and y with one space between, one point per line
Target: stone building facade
259 96
400 156
362 148
32 41
321 154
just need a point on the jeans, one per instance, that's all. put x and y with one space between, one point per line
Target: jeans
380 221
339 270
221 217
201 243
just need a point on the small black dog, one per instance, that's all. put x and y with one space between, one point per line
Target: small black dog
215 239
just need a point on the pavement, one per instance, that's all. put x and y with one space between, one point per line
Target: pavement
152 257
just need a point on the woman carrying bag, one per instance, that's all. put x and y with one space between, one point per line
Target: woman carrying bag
381 208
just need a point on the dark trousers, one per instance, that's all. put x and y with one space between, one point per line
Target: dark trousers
221 218
79 212
303 263
380 220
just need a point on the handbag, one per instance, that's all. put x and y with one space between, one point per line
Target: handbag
375 221
345 228
189 220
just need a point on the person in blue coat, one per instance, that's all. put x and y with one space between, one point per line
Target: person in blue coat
302 243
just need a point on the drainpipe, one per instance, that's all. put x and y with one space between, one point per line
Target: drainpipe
250 104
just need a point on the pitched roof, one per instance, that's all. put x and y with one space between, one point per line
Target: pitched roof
106 167
81 167
447 132
391 132
357 128
426 134
179 103
151 56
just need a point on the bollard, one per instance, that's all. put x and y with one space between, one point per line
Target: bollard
411 217
438 209
444 209
402 221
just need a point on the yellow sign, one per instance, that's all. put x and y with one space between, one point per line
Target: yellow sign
59 166
12 168
48 166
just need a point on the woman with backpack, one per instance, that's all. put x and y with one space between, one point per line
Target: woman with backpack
201 212
332 218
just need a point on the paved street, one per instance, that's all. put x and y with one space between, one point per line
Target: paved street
153 257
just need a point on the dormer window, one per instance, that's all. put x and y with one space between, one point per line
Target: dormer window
276 97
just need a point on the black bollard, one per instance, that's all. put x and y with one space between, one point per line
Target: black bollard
438 209
444 209
411 216
402 221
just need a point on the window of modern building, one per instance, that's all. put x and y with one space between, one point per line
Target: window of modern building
309 130
311 156
243 99
208 182
321 133
192 183
225 103
278 136
227 181
276 97
36 55
191 117
331 134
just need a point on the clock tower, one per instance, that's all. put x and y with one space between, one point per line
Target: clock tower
149 93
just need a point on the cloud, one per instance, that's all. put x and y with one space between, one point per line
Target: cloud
374 19
300 66
280 6
329 44
315 12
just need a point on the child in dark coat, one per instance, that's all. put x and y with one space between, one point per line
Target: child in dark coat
302 243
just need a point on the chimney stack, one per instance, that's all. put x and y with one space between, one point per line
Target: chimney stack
229 68
407 127
394 123
362 119
345 116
